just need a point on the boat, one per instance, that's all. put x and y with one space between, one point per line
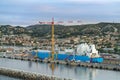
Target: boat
82 53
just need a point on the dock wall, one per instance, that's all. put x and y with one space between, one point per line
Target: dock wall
112 61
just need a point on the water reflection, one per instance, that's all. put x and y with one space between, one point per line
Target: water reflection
63 71
73 71
30 64
92 74
52 67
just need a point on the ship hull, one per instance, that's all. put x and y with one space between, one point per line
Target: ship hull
46 55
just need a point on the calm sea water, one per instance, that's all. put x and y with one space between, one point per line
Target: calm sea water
7 78
63 71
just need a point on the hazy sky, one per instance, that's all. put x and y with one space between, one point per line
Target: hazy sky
26 12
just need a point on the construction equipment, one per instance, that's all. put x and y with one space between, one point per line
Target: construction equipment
52 39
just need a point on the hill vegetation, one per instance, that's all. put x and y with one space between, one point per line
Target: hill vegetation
62 31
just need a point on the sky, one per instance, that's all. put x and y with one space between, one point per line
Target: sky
29 12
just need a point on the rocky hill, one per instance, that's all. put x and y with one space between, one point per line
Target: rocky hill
63 31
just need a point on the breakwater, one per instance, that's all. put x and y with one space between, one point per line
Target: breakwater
72 63
27 75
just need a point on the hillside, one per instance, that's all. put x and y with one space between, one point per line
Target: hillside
67 31
62 31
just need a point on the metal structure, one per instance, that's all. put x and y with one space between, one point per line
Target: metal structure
52 38
53 42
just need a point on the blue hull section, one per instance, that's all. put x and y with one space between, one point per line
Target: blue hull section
98 60
44 55
64 57
82 58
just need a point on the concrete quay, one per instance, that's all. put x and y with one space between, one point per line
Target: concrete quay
27 75
112 61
